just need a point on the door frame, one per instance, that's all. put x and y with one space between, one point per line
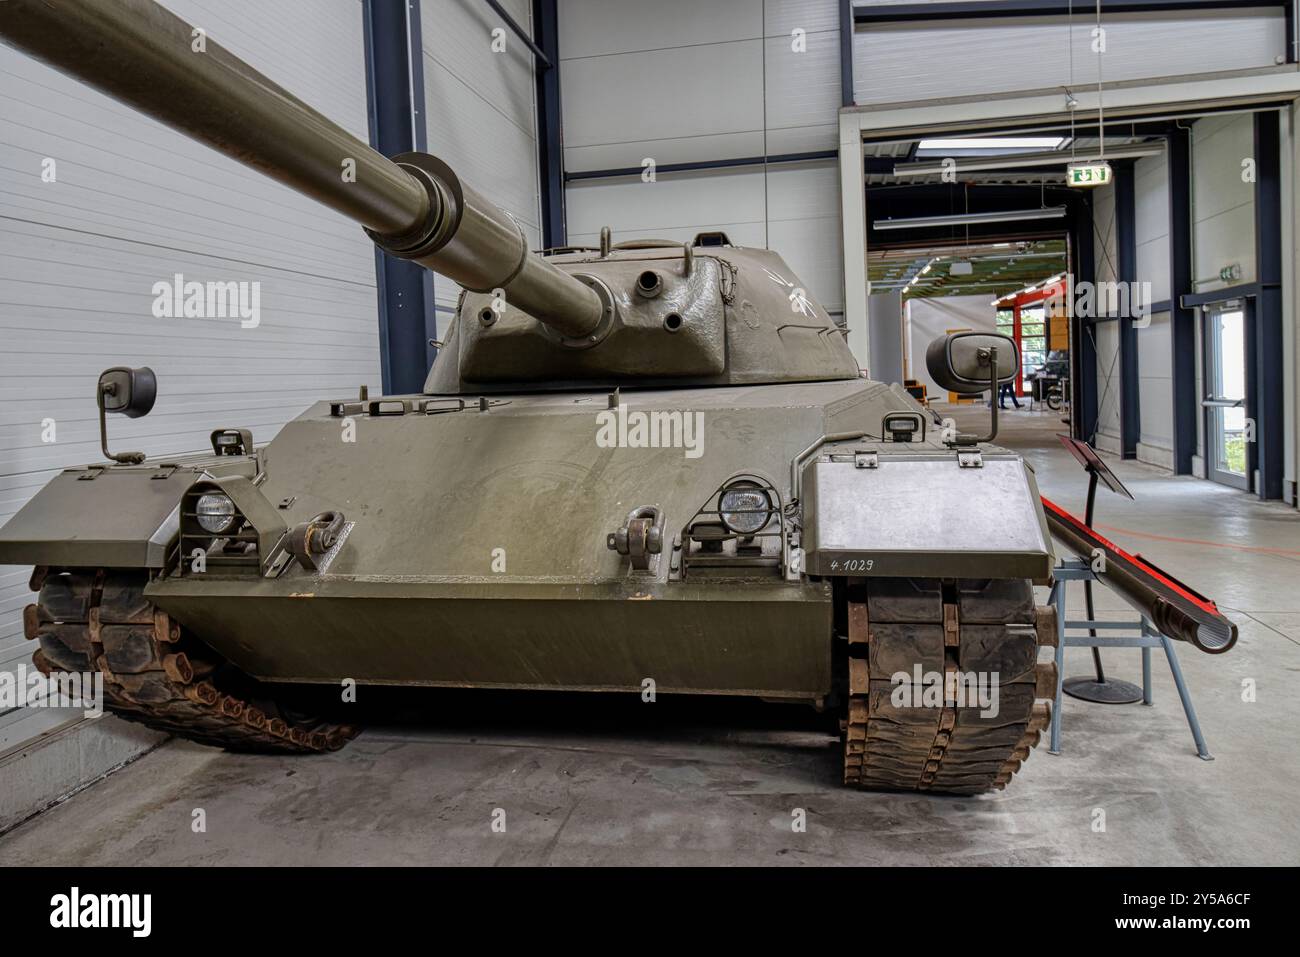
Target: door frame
1250 403
1161 97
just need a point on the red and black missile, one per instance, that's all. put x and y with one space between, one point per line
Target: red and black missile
1174 608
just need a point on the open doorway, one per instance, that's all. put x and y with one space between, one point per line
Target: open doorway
1011 286
1036 317
1227 436
1009 201
1146 258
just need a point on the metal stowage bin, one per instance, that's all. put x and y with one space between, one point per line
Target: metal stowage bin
1147 637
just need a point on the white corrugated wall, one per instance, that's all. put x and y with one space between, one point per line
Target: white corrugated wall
1155 357
133 204
896 62
1223 219
1223 201
481 114
678 81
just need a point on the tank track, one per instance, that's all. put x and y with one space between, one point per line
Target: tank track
945 746
160 676
157 674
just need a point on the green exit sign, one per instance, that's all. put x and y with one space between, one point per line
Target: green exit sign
1088 174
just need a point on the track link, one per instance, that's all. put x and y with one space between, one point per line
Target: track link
942 741
157 674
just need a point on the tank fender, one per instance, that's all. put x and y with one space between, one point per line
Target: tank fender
877 509
108 516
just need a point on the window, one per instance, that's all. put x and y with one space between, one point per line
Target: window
1032 338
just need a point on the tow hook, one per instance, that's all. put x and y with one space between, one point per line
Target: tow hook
641 536
313 538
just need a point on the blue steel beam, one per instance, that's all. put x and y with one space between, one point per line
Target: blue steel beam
846 53
1083 346
1268 319
1130 421
395 97
1182 319
550 136
541 60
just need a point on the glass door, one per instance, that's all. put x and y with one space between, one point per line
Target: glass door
1033 341
1005 320
1226 438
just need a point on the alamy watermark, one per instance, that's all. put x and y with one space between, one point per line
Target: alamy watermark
127 911
938 689
1103 300
179 299
657 429
28 688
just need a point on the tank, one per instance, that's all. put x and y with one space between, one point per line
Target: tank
648 466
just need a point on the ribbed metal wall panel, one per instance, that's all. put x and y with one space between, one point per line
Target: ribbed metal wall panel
682 82
1223 201
1151 223
132 205
899 62
1151 202
481 113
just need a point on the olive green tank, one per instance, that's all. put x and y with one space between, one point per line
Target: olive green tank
651 464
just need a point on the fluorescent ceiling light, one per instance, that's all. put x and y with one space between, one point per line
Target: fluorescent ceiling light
972 219
917 278
975 164
994 143
1034 288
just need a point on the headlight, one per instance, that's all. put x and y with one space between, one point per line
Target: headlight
215 512
746 508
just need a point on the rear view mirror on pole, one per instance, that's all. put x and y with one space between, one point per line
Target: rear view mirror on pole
129 392
961 362
969 363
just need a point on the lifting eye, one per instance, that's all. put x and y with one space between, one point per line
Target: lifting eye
648 284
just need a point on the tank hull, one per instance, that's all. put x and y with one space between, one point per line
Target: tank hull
475 552
477 555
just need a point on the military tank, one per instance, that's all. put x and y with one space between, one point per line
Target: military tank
648 464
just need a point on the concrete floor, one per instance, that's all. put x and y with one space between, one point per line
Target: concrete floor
609 782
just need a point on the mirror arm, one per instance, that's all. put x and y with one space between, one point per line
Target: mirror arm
125 458
993 403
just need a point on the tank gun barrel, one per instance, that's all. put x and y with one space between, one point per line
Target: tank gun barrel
416 207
